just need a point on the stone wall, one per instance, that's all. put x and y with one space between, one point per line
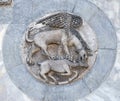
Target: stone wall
20 14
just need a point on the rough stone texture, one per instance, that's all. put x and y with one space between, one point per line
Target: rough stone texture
84 10
5 2
105 32
5 15
101 69
12 49
22 11
108 91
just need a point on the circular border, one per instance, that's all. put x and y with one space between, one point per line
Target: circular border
80 76
39 91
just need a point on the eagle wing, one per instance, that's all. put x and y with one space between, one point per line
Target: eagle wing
61 20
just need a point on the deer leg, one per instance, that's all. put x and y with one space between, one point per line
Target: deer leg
60 52
65 44
66 49
35 51
44 76
45 52
67 73
67 70
31 51
75 76
50 75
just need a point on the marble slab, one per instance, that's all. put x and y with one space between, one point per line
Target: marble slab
23 14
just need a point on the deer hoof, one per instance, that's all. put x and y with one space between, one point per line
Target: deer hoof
29 61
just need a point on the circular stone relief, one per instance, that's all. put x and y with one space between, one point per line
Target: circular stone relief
57 50
79 88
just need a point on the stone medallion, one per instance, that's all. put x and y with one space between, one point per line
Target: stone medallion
59 69
56 49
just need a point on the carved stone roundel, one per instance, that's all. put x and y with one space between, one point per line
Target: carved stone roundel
57 50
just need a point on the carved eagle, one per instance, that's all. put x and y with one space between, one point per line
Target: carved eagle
62 20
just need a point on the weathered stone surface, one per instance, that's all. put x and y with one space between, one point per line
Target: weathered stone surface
105 32
22 11
11 53
5 2
101 69
41 39
42 7
85 9
99 22
11 45
109 91
5 15
40 91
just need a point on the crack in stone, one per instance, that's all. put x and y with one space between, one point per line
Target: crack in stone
92 16
19 64
107 48
87 86
74 6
